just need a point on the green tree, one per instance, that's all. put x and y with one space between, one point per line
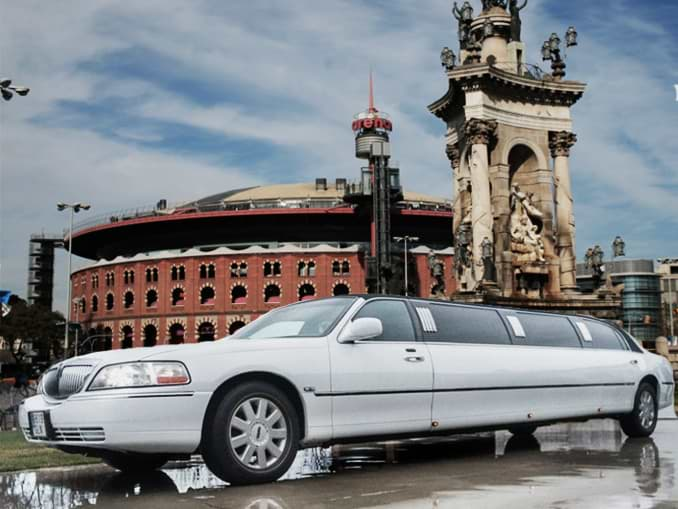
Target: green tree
32 324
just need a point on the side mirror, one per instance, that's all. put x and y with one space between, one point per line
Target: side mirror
362 328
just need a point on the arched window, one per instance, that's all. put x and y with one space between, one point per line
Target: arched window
151 298
311 269
341 289
152 275
203 271
150 335
272 294
268 269
128 300
236 326
277 268
83 305
95 280
242 270
306 292
211 271
207 295
205 332
176 332
174 273
95 303
182 273
110 279
127 337
128 277
178 296
345 268
239 295
302 270
110 301
336 268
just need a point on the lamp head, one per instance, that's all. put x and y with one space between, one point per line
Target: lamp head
61 206
554 42
5 83
488 28
546 51
22 91
6 94
571 37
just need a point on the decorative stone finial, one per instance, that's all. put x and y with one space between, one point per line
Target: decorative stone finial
561 142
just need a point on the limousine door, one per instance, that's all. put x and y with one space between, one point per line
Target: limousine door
383 385
482 378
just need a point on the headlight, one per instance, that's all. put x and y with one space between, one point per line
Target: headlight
140 374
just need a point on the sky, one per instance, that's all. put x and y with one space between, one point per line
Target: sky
135 101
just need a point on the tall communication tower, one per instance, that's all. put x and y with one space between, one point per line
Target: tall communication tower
379 188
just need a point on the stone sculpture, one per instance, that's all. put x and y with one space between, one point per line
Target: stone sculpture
619 247
437 268
526 222
516 23
464 23
489 270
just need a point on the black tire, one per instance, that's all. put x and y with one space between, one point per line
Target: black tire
223 458
135 463
523 429
639 423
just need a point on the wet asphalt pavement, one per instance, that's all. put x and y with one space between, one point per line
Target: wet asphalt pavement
591 465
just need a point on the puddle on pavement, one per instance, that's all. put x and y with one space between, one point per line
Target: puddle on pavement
566 463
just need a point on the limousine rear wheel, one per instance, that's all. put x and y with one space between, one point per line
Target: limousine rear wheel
253 436
642 421
523 429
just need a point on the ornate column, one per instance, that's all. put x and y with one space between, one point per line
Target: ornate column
479 133
560 144
454 155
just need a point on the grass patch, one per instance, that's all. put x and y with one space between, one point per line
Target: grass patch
18 454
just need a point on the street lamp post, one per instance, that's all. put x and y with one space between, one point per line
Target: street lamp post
8 90
405 240
73 208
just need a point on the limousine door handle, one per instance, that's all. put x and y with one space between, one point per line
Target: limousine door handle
634 362
415 358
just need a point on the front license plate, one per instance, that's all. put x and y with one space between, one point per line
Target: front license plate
38 424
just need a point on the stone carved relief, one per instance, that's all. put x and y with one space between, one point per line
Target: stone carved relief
464 255
527 244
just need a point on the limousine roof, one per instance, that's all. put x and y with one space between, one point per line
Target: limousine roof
371 296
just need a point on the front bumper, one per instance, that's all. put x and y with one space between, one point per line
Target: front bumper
143 422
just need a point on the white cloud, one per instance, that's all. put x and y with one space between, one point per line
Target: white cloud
299 72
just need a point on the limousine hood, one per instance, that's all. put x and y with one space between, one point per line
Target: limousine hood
176 352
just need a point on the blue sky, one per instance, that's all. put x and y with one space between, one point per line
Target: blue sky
136 101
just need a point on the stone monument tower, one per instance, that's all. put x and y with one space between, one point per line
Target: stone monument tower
509 136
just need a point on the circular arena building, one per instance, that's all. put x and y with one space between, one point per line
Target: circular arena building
199 270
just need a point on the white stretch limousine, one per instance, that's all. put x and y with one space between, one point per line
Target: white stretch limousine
345 369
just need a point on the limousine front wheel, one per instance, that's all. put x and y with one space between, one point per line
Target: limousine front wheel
642 421
253 435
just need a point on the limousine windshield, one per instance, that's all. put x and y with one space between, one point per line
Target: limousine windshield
310 320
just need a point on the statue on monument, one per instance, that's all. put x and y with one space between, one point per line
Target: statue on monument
526 226
437 268
488 4
464 254
489 270
619 247
516 23
464 16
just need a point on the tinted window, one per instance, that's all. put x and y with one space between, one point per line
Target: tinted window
394 317
604 336
458 324
545 330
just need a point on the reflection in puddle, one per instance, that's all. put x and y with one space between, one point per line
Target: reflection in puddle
493 470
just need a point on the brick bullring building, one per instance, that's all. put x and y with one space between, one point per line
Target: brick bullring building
200 270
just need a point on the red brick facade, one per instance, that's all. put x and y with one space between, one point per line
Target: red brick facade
212 297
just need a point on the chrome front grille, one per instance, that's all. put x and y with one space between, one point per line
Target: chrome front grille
79 434
63 381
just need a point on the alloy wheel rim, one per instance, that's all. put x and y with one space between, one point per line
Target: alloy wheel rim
646 410
257 433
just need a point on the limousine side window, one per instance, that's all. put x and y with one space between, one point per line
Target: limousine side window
604 336
546 330
459 324
394 316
